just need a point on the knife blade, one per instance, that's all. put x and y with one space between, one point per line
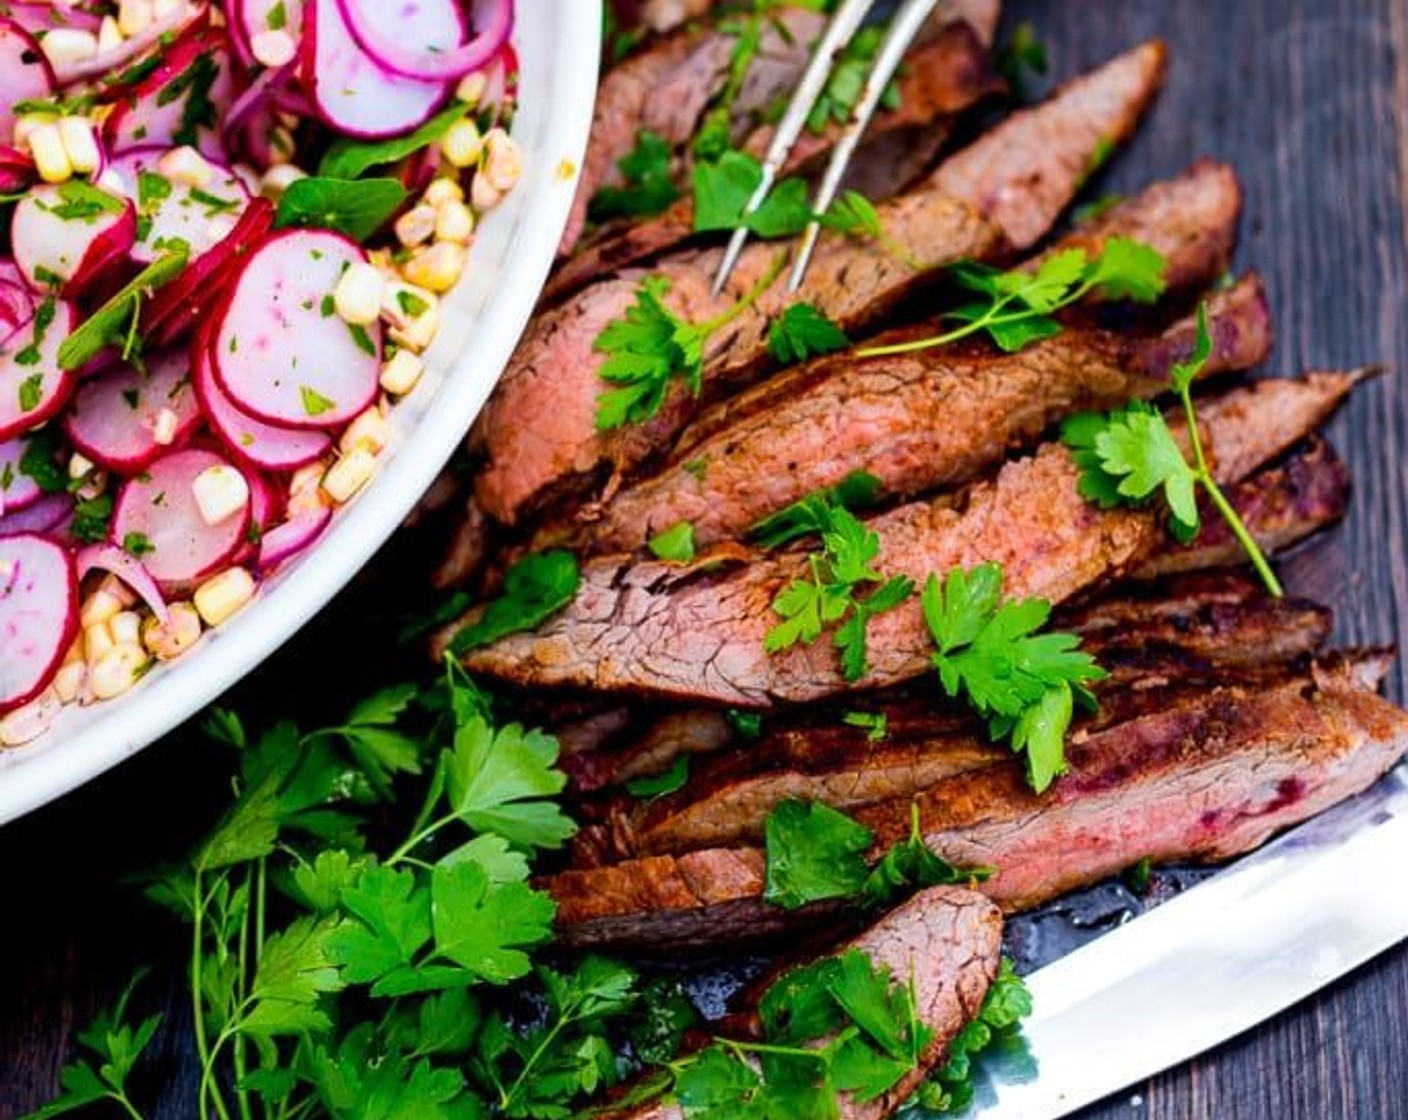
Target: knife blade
1210 964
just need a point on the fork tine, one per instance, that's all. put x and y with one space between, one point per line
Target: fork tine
902 31
844 23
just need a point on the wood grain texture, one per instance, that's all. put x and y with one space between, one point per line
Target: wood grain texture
1309 99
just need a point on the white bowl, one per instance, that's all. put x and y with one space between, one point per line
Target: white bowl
558 47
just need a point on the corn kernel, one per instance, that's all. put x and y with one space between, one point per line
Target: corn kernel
112 182
454 221
187 167
437 267
400 374
97 640
416 226
462 144
441 191
134 17
46 145
111 585
26 724
349 474
472 88
368 430
109 37
220 492
64 45
357 296
75 651
170 639
222 595
402 303
93 484
68 681
503 161
125 627
117 671
79 466
80 144
278 179
164 427
99 609
419 333
27 123
483 195
273 48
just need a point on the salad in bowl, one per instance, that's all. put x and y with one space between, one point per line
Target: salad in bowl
232 231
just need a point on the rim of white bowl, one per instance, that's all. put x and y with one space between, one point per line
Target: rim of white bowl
559 45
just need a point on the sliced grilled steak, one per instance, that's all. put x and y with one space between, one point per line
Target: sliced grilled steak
648 628
942 79
916 422
1282 506
1208 778
538 435
946 942
666 88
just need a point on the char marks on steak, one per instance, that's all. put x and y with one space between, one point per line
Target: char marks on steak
941 79
538 435
699 634
916 422
1210 776
946 943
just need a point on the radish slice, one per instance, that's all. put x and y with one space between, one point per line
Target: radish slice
107 63
71 234
38 615
182 102
32 386
352 93
408 39
119 418
16 307
159 507
280 351
48 515
190 298
168 211
251 440
266 506
17 490
292 537
24 74
127 568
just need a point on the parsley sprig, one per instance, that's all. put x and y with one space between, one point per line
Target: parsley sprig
829 595
1129 455
651 347
648 187
813 513
1017 307
1024 684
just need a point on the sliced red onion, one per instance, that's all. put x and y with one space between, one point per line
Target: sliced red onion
16 308
105 63
261 92
45 516
292 537
126 567
363 21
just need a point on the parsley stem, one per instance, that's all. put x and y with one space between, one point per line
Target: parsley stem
992 315
729 314
1219 499
565 1020
207 1090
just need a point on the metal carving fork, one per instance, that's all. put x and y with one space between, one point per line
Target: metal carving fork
846 21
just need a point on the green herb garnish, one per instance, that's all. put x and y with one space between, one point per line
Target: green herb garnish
803 332
675 543
357 209
535 588
649 188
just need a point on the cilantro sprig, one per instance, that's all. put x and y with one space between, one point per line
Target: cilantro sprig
651 347
1018 307
989 653
829 595
1128 456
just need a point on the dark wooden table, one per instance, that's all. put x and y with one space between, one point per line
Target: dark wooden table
1309 98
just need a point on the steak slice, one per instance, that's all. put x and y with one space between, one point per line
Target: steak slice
538 434
941 79
947 943
1282 506
916 422
1207 778
817 757
699 634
